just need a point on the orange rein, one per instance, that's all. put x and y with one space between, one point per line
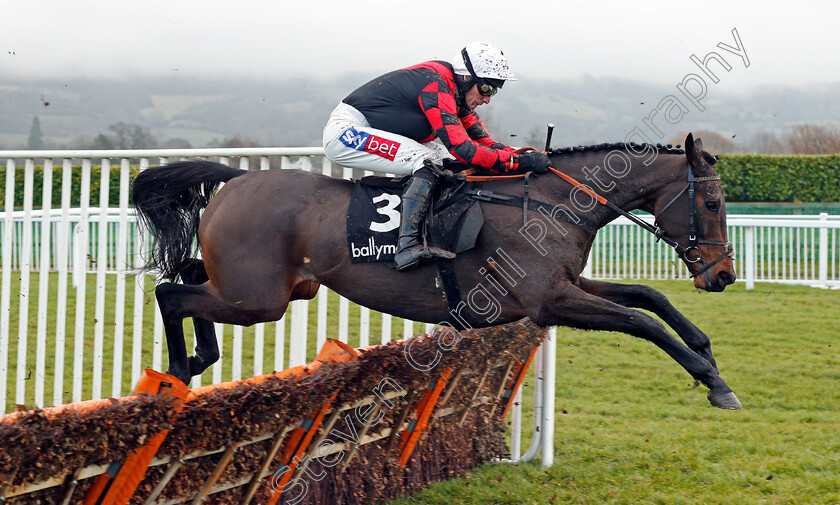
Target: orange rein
483 178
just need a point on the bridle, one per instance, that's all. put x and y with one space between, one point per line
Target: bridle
682 251
693 240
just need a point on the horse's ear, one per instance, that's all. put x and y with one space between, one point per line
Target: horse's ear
692 145
694 150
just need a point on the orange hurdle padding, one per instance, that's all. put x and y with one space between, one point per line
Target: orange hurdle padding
333 351
298 442
424 411
117 484
510 393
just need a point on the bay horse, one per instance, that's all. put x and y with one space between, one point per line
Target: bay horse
270 237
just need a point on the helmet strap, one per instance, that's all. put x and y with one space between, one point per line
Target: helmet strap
468 63
464 83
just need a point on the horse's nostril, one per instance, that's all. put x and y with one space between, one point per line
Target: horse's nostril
724 277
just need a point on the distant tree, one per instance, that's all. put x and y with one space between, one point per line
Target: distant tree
237 140
766 143
36 137
80 142
712 141
176 143
810 138
122 136
131 136
102 141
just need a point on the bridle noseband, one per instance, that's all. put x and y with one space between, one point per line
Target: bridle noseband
693 241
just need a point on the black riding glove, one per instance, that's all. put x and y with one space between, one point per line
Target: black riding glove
533 161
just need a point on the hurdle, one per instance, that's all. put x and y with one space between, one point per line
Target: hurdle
353 426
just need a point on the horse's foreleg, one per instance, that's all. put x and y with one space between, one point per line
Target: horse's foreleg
647 298
574 307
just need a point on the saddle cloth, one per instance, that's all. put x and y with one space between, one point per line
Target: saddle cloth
373 220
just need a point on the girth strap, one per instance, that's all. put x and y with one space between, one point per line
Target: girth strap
453 297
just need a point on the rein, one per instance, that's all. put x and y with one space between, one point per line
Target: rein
654 229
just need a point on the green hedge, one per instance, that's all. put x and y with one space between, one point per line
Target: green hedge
745 178
76 183
780 178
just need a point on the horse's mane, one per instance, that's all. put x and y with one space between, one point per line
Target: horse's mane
660 148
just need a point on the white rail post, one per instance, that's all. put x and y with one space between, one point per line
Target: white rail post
43 285
823 254
25 266
536 433
323 306
386 328
549 372
298 332
122 266
343 319
749 252
80 266
61 265
139 294
516 426
5 304
236 358
101 265
364 326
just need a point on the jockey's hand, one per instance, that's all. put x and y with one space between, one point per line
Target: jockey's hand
533 161
447 176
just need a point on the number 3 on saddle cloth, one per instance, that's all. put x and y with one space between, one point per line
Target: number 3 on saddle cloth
373 220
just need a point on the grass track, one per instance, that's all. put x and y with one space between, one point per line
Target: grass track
631 426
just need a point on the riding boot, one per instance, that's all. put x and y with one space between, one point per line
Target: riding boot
415 202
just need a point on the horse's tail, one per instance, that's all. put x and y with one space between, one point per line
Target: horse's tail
169 200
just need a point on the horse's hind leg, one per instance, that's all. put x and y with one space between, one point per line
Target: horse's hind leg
178 301
646 298
173 326
207 347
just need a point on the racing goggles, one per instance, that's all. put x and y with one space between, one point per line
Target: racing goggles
489 87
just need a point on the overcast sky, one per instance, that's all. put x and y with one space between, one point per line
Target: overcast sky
787 43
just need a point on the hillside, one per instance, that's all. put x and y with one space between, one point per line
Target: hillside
292 112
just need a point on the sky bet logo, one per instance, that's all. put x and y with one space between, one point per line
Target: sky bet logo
368 143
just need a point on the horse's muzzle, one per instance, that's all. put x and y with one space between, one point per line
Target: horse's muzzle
715 281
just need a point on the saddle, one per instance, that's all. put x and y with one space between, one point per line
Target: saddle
373 219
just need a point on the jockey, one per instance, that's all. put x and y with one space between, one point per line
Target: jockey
390 124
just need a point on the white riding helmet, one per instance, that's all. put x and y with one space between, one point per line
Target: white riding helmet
488 62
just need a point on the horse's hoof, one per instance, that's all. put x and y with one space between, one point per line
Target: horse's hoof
181 377
725 401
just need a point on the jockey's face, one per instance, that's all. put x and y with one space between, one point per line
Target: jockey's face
474 98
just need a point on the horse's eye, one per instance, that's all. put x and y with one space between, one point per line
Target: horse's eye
712 206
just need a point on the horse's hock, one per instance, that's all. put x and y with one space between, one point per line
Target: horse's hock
353 426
